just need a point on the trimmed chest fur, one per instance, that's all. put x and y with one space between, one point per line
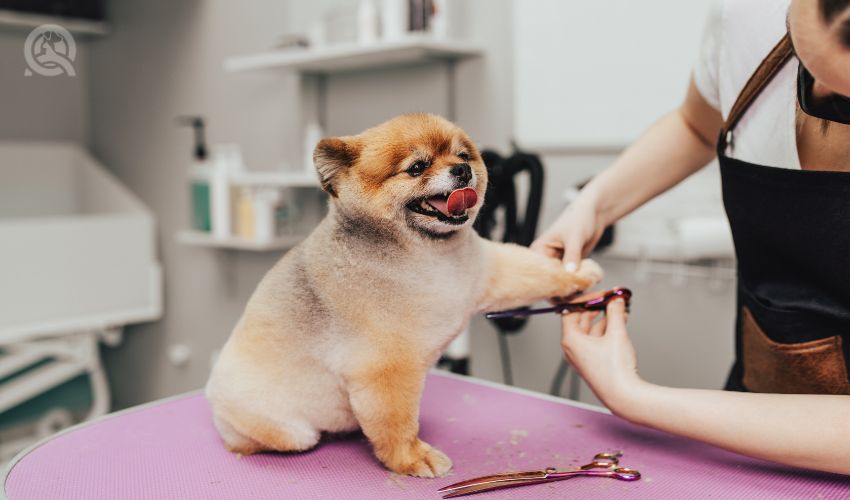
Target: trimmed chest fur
425 291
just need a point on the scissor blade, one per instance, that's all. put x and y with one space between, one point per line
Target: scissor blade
522 313
494 485
496 478
517 313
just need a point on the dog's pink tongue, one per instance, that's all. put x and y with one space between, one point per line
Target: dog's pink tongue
460 200
457 202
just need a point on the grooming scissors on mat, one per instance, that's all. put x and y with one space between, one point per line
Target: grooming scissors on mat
603 465
594 304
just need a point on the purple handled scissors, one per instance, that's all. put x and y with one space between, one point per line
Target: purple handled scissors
595 304
603 465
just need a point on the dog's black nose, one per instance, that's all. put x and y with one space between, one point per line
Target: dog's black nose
462 171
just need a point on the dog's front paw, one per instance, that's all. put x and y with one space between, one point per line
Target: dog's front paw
421 460
572 282
590 271
586 276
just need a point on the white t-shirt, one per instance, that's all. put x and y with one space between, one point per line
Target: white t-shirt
738 35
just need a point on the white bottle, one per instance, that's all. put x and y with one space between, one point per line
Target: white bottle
265 208
316 34
440 20
312 135
394 19
227 160
367 22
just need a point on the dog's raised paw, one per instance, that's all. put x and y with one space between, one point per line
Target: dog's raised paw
589 269
585 277
424 461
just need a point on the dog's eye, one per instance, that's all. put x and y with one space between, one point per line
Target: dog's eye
417 168
463 156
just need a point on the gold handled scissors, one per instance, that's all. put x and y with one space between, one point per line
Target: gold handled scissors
603 465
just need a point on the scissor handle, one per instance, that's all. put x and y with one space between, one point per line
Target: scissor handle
627 474
600 303
623 474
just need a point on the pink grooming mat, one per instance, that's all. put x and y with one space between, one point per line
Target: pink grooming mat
170 450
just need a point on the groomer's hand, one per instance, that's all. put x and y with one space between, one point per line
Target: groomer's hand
602 353
573 235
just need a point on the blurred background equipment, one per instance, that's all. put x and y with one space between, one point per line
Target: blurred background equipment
78 263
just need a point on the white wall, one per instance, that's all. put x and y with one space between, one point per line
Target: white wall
596 73
164 59
38 107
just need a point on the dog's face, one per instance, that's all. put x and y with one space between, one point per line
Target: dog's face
415 172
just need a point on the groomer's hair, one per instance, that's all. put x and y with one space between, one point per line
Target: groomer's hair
838 11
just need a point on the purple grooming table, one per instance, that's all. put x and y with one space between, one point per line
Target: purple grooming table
170 450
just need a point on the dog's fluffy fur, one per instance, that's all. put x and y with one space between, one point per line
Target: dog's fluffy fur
340 334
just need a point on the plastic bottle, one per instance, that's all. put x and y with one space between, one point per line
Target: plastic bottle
394 19
440 19
227 161
200 180
265 207
245 214
367 22
200 175
312 135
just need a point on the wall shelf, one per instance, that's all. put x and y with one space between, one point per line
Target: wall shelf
26 20
204 239
275 179
269 179
352 57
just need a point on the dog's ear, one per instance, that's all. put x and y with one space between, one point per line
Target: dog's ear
331 157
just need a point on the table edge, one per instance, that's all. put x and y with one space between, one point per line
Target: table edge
7 469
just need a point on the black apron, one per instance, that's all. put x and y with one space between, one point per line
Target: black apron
791 230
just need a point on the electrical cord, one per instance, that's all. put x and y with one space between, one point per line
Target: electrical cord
558 379
565 370
505 355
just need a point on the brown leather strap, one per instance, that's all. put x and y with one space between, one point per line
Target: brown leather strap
768 68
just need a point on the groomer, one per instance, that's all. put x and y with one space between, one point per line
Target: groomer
773 84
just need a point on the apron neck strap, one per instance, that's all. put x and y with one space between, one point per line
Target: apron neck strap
768 68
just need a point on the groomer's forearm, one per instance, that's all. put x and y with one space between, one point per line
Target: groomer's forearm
802 430
666 154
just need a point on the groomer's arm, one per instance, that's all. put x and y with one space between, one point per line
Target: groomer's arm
793 429
810 431
676 146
